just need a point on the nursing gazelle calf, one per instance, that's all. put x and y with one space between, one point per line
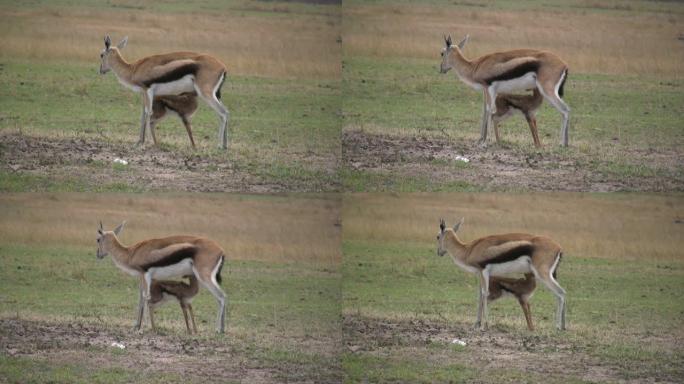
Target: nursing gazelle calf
521 289
163 258
183 106
169 74
498 255
509 104
163 290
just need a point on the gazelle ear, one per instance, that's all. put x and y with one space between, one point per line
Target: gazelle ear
458 225
101 228
442 225
463 42
447 40
118 229
122 43
108 41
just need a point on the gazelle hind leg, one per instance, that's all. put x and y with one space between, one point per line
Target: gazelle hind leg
192 318
185 316
550 92
208 280
210 95
188 127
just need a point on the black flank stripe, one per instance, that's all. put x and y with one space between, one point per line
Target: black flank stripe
218 90
178 73
510 255
514 73
173 258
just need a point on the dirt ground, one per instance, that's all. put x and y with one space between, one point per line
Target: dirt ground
214 360
149 168
501 168
495 349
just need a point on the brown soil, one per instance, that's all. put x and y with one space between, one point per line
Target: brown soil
499 167
496 349
204 360
149 168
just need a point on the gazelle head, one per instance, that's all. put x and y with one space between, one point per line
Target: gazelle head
104 239
441 244
104 55
448 60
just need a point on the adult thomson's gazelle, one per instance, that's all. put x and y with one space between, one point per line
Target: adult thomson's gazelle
510 71
169 74
173 256
498 255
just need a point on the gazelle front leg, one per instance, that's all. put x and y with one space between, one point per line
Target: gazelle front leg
143 124
483 126
141 304
148 298
148 100
478 322
484 288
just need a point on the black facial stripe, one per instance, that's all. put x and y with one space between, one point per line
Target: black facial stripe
510 255
173 258
515 72
176 74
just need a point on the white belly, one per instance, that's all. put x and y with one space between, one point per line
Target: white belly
528 81
519 265
184 84
180 269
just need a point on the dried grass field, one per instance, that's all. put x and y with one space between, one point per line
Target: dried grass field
405 124
622 268
61 308
62 124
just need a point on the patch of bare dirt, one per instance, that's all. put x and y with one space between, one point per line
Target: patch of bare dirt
495 349
149 168
207 360
498 167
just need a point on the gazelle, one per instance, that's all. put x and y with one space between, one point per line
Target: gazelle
498 255
508 104
510 71
162 290
521 289
169 74
163 258
183 106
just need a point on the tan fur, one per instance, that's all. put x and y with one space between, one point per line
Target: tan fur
521 289
183 105
476 72
478 255
206 260
208 76
508 104
181 291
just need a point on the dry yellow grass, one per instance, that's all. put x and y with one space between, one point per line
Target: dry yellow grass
299 45
603 226
590 40
265 228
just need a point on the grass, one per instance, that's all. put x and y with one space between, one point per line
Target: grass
624 308
281 277
624 87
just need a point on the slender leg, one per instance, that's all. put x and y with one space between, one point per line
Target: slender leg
153 125
495 122
150 313
478 322
485 114
192 318
484 286
532 122
528 315
559 292
141 304
148 98
185 315
549 92
143 124
188 128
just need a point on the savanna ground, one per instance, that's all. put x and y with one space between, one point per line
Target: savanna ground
623 270
405 124
61 308
62 124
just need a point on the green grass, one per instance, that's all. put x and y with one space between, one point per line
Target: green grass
26 182
21 370
615 119
272 308
278 127
608 318
367 181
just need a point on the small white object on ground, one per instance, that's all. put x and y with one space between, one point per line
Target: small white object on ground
118 345
459 342
120 161
462 158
